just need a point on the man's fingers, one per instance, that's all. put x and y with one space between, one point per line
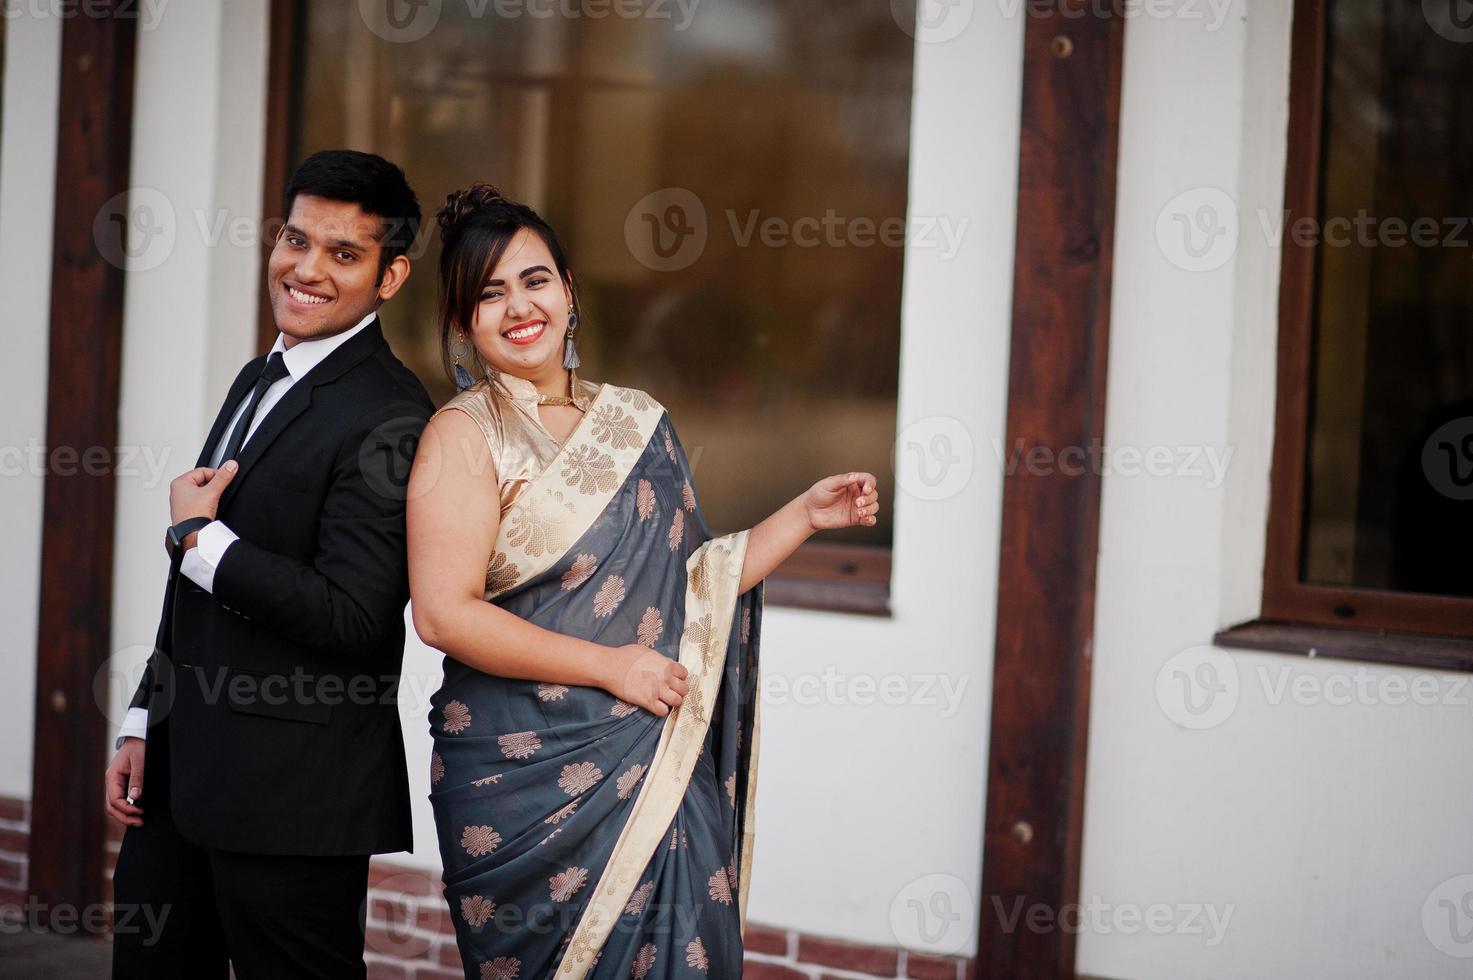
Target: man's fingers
224 475
135 780
115 811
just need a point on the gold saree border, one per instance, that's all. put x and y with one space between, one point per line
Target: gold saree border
562 502
714 573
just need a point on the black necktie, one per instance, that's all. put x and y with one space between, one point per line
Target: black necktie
273 372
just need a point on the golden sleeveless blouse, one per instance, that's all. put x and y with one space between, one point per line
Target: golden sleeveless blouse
504 406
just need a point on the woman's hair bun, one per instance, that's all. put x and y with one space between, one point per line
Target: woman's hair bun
462 204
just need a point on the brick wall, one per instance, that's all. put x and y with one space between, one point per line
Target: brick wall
15 832
410 935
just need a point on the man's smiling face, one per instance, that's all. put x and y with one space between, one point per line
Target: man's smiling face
324 271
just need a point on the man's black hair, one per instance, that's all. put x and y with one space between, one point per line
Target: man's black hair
369 181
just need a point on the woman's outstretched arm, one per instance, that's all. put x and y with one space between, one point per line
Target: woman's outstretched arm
834 502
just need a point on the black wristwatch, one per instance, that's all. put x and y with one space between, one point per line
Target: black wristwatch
182 530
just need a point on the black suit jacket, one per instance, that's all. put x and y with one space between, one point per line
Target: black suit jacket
277 692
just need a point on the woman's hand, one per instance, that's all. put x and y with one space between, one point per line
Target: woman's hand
842 501
647 678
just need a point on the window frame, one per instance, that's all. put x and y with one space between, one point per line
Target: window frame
1408 628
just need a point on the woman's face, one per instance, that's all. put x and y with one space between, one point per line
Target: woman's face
523 313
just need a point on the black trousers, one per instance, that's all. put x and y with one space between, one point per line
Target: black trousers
190 912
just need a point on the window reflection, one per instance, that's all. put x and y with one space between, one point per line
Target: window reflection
775 343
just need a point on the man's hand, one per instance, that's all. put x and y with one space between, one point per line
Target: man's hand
124 783
197 494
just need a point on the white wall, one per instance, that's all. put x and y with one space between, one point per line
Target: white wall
27 195
190 310
1319 823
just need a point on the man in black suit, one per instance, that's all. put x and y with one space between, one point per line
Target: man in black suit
266 723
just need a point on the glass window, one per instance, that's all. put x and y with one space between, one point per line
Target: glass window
720 180
1389 465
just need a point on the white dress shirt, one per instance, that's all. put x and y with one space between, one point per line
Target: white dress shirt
215 538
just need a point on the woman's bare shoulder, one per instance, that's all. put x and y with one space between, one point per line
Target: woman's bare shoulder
469 417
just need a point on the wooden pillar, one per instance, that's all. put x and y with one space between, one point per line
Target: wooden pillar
1050 518
85 363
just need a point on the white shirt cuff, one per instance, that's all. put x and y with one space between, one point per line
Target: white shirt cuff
135 725
200 562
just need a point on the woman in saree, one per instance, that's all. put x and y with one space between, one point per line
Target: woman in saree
596 736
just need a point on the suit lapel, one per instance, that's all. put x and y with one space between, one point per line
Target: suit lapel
238 390
298 399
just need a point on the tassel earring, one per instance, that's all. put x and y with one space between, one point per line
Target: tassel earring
458 350
570 352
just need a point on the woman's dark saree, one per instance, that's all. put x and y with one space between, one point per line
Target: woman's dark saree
583 836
